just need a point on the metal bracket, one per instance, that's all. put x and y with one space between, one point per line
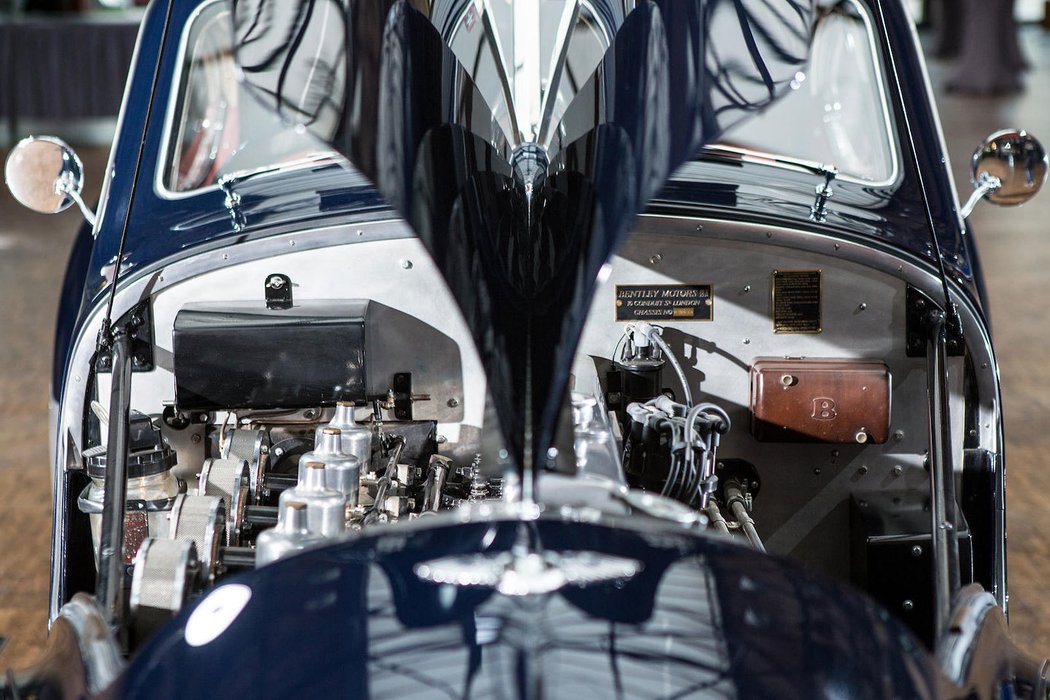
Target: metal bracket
403 395
823 191
139 326
278 291
918 305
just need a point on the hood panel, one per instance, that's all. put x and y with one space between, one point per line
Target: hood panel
519 230
703 618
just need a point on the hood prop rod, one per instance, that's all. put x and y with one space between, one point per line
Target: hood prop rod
110 587
944 541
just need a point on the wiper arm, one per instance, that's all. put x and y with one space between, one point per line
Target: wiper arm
819 210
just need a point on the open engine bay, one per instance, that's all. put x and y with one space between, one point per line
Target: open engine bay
768 385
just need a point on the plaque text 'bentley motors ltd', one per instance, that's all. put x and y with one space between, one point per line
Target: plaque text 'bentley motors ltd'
663 302
796 301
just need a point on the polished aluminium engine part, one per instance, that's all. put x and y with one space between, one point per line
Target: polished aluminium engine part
164 575
354 438
253 446
229 480
325 507
201 520
342 469
597 453
327 449
291 535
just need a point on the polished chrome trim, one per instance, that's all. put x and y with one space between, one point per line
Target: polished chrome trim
99 650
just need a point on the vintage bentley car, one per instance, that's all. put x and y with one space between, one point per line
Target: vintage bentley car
577 348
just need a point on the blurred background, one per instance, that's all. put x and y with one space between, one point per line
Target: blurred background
62 70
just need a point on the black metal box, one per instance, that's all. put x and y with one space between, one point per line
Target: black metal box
243 355
891 555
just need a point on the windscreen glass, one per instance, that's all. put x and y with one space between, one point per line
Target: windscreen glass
838 114
216 127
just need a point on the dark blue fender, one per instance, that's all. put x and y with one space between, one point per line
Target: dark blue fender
703 618
69 306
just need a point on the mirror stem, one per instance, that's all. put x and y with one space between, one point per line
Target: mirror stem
987 183
64 186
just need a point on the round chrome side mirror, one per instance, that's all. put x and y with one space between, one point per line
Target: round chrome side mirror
1007 169
46 175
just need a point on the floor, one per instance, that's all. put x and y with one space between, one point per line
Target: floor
1016 253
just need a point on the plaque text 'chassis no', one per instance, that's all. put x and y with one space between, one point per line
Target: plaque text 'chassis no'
664 302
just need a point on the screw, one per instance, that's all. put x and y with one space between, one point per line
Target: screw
275 282
406 264
898 435
195 438
862 306
655 259
747 341
916 551
817 471
898 470
747 288
908 606
862 470
453 402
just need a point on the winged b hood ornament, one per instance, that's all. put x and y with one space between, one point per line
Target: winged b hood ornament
520 140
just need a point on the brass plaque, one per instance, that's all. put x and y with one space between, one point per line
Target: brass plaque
797 301
664 302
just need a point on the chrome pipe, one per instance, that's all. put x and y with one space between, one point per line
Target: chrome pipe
735 499
435 483
715 516
110 586
383 484
945 544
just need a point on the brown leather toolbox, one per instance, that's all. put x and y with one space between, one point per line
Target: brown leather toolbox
820 400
